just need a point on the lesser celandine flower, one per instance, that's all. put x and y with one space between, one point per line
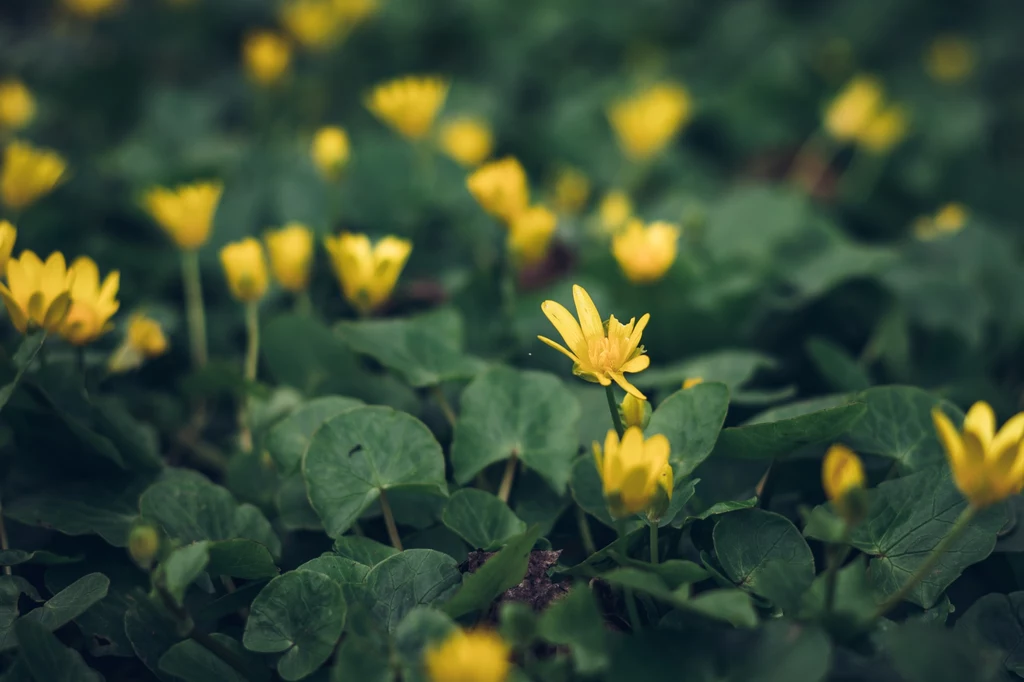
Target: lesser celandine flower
409 104
186 212
477 655
530 233
143 339
634 412
842 477
601 352
467 140
28 174
92 303
245 269
500 187
634 472
948 220
291 255
854 108
615 210
38 294
330 151
884 131
315 24
266 55
645 253
17 105
949 59
367 273
8 235
90 9
988 466
572 189
646 122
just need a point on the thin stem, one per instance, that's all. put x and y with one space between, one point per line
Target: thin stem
389 521
442 402
196 314
925 568
252 328
654 542
505 489
634 616
585 535
836 555
613 407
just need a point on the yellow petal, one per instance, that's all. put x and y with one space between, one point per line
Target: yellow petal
638 330
566 325
637 364
559 347
981 421
590 319
56 313
950 439
14 311
1010 435
626 386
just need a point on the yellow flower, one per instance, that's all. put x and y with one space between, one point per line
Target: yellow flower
330 151
648 121
634 411
354 12
266 55
186 212
8 234
144 339
634 472
29 174
468 656
530 234
245 269
645 254
949 59
601 352
291 255
615 210
37 294
500 187
367 273
467 140
949 220
92 303
17 105
90 9
572 188
884 131
854 108
408 104
314 24
842 475
988 466
692 381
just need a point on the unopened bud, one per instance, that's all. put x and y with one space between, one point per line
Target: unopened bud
143 545
634 412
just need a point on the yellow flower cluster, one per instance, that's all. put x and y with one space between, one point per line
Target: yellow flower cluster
861 115
646 122
646 252
477 655
17 105
321 24
266 56
28 174
947 221
409 104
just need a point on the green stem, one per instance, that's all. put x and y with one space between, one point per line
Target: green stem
613 407
585 535
925 568
654 541
389 521
442 402
252 328
836 555
196 314
505 488
634 616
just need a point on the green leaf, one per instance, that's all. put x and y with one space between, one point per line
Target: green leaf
898 424
301 613
727 605
79 509
928 652
785 651
363 550
780 432
340 570
734 368
288 441
691 420
300 351
907 518
764 553
23 357
421 628
854 604
294 510
50 660
509 412
183 566
752 224
151 631
997 621
840 371
481 519
363 659
192 662
16 557
821 523
241 558
715 510
103 623
11 589
357 454
576 622
71 602
425 350
501 572
588 492
409 579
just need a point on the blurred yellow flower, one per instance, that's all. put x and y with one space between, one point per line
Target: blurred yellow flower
634 411
645 254
948 220
854 108
143 339
330 151
468 656
572 189
409 104
601 352
17 105
90 9
367 273
615 210
245 269
29 174
92 303
500 187
467 140
8 235
634 472
354 12
186 212
886 130
949 59
988 466
315 24
38 294
692 381
646 122
842 475
266 55
291 255
530 233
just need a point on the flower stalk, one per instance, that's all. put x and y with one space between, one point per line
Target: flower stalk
194 310
654 541
613 407
505 488
389 521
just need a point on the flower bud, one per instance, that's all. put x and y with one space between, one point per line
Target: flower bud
842 476
692 381
634 412
143 545
246 269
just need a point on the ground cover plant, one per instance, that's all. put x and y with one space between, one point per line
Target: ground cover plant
473 341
